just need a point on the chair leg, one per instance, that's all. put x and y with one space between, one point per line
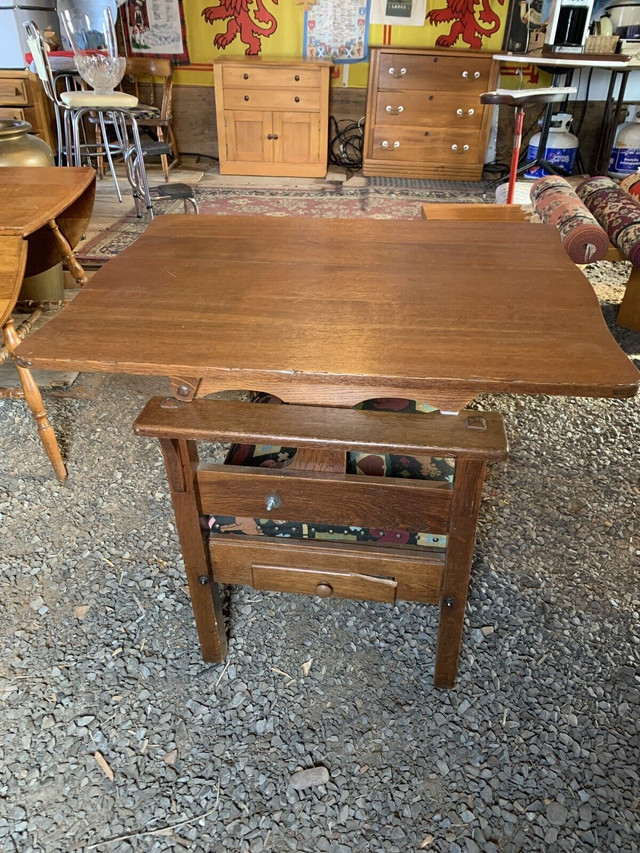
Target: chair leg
467 495
173 142
107 148
34 401
68 256
163 157
180 458
99 154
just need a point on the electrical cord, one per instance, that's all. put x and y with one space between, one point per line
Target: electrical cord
345 143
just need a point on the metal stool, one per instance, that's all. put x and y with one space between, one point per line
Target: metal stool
520 99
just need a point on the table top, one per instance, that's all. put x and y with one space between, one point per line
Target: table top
337 311
566 60
31 196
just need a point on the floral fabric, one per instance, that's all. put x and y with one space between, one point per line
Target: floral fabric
617 212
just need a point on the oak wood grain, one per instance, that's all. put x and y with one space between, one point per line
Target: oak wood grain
324 583
331 309
320 498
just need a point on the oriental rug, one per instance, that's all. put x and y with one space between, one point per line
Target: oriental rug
380 199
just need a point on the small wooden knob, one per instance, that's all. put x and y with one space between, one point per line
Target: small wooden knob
297 99
245 76
246 97
297 77
324 590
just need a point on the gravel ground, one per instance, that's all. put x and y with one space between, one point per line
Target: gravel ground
116 737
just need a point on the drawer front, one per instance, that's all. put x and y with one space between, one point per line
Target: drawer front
324 584
13 91
418 576
422 146
438 109
434 73
266 99
274 78
15 113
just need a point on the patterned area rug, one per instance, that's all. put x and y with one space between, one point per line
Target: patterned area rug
376 201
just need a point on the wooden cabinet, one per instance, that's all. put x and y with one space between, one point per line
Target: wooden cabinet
22 97
272 116
424 116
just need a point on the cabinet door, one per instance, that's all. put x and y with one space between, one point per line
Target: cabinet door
298 138
249 136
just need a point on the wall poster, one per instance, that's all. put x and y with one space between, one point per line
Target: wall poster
337 29
156 27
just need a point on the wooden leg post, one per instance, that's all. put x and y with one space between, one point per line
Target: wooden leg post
629 313
67 254
467 495
34 400
181 458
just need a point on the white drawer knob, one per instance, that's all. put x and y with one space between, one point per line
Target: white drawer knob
399 73
476 74
460 112
465 74
385 144
459 150
394 111
471 112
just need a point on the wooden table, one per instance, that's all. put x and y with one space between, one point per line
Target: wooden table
334 312
329 313
43 214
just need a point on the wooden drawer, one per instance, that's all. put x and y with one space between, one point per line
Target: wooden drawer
424 146
274 78
324 584
15 113
434 73
320 498
13 91
438 109
416 573
266 99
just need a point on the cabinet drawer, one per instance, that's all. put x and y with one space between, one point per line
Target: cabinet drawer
443 73
267 99
15 113
324 584
14 91
438 109
422 146
273 78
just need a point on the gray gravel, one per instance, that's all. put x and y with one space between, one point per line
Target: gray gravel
116 737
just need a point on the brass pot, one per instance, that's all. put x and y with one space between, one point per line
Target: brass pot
19 148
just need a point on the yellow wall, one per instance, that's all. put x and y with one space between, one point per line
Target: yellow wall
287 40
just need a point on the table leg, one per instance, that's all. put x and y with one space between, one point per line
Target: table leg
181 459
67 253
629 312
467 496
35 403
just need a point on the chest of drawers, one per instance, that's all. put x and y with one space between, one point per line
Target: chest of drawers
272 116
424 117
22 98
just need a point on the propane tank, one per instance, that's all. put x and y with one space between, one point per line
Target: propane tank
561 150
625 154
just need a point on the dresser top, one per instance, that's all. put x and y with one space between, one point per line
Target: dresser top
290 62
443 51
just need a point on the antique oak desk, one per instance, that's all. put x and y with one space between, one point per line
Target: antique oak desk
325 314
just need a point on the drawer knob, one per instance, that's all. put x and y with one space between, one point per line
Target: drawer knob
297 99
461 112
476 75
399 73
385 144
459 150
272 501
396 111
324 590
246 97
297 78
245 76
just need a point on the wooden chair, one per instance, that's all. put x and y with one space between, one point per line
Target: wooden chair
155 101
380 558
13 259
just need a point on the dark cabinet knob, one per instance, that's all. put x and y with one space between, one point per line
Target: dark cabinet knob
246 97
245 76
297 99
275 136
297 78
269 136
324 590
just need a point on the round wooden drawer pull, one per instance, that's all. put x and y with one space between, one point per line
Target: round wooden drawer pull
324 590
